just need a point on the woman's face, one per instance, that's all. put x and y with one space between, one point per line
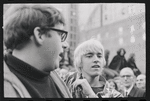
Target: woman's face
111 85
122 52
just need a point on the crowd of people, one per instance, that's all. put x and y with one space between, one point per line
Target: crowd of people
116 80
36 64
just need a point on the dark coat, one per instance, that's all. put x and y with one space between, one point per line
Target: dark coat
132 65
136 92
118 63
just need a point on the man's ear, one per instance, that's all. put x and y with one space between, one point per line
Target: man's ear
39 38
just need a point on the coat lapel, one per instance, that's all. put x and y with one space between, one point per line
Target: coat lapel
61 85
132 92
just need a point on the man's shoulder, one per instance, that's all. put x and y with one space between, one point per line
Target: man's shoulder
137 92
9 90
13 84
138 89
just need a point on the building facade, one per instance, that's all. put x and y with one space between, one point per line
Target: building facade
120 26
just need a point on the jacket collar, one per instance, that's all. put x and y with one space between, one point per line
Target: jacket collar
132 92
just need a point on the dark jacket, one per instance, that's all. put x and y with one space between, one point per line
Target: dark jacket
132 65
14 87
136 92
118 63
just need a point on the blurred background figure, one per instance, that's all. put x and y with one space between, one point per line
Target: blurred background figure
107 52
66 64
111 89
107 72
66 56
128 79
119 83
141 81
119 61
63 72
132 65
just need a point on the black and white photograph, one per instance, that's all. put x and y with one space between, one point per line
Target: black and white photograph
74 50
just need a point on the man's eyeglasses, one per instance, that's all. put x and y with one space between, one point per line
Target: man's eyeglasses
62 33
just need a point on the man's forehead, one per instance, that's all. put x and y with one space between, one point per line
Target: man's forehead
141 77
126 72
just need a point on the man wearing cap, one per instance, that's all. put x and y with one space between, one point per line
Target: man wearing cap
128 79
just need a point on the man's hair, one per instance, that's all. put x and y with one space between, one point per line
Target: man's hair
143 75
20 21
91 45
127 69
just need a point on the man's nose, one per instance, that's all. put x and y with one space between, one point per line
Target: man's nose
61 51
95 59
125 78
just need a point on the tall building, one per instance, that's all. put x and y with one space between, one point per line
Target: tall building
119 26
118 11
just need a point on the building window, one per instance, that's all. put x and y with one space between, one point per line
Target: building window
70 36
120 30
74 44
132 29
74 36
73 13
131 9
132 39
71 43
71 28
73 6
74 29
106 17
123 11
120 41
71 21
105 7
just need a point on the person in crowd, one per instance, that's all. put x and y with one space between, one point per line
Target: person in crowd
35 34
119 83
112 89
109 73
64 61
141 81
63 72
132 65
130 89
107 52
119 61
89 61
